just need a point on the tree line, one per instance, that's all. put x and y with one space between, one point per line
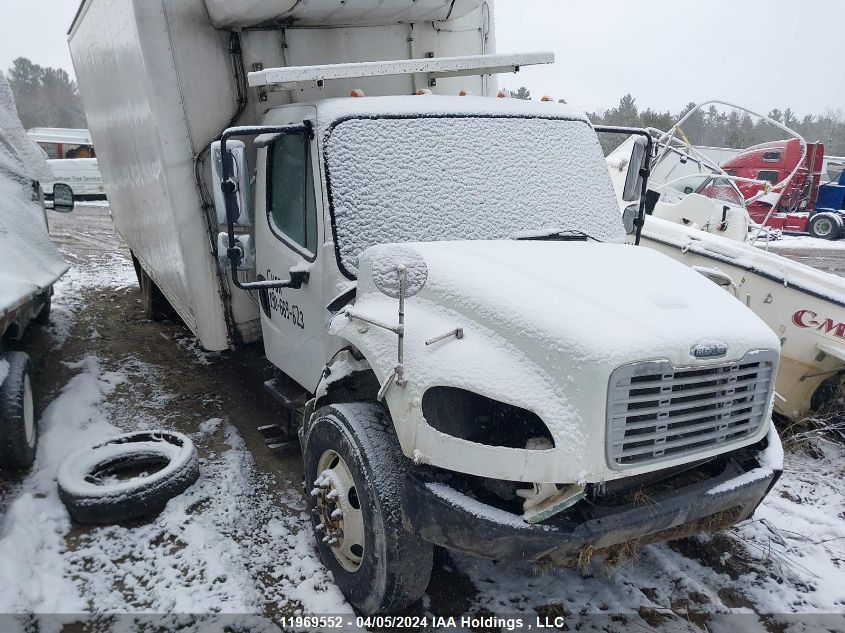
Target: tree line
44 96
716 127
48 97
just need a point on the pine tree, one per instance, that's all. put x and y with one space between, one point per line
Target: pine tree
523 93
45 97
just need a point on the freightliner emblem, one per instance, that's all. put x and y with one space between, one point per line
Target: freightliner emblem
709 350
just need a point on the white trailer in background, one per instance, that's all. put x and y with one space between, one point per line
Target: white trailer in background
72 161
469 354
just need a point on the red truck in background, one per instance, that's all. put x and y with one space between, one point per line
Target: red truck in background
796 209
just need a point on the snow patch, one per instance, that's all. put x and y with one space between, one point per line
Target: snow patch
771 459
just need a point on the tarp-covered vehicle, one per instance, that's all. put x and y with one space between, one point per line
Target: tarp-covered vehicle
29 266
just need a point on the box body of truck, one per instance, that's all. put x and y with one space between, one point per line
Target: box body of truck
159 83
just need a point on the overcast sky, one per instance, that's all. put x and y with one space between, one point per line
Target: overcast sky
760 53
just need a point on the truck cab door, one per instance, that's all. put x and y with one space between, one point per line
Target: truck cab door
289 235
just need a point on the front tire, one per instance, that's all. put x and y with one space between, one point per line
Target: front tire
826 226
18 432
354 471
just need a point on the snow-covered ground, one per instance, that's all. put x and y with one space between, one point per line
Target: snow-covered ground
802 242
238 541
207 552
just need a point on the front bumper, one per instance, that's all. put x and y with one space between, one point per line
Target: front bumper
444 516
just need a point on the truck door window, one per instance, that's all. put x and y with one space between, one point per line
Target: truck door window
291 208
768 175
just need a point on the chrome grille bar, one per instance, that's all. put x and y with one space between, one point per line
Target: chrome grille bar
657 412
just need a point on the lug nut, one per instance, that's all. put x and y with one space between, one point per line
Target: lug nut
334 494
337 514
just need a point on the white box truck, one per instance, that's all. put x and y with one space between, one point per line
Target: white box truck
470 354
72 161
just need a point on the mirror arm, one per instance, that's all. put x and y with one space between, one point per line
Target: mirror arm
645 170
229 188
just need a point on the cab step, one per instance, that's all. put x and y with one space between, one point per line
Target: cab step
277 438
282 436
288 395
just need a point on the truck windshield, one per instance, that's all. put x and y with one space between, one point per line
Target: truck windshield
465 178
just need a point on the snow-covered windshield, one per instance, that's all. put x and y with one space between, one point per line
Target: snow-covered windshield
465 178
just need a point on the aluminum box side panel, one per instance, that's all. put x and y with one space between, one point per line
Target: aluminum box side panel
241 13
125 68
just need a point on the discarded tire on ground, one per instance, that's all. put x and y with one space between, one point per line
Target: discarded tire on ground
127 477
18 433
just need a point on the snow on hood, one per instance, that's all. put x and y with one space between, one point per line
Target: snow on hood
19 155
592 302
29 262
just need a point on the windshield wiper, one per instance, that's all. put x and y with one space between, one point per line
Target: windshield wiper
560 235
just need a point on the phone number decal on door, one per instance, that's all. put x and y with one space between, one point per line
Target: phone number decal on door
288 311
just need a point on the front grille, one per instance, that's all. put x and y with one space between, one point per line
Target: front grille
657 412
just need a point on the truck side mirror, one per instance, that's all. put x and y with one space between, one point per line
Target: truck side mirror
634 180
62 198
239 181
629 218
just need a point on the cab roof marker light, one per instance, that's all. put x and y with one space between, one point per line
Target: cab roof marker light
502 94
357 92
547 98
423 91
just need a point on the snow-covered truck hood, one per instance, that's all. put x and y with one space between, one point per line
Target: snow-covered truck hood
545 324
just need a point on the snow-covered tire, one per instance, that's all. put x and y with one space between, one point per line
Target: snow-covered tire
394 565
826 226
159 465
18 431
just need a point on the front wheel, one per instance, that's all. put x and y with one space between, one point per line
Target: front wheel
354 469
18 433
827 226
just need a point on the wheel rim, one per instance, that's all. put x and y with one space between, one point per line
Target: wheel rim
824 227
28 413
340 522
